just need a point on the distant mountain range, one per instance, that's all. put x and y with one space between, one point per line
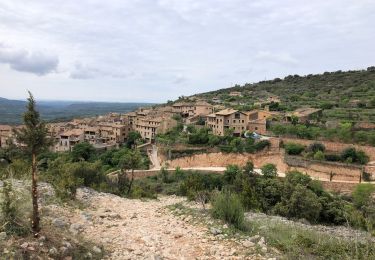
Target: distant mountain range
11 110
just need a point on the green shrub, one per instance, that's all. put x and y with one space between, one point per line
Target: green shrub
227 206
199 137
248 169
66 185
82 151
9 217
294 178
362 194
333 157
164 174
225 148
319 155
351 155
142 190
231 172
302 204
293 148
315 147
237 145
361 137
269 170
259 146
362 157
195 182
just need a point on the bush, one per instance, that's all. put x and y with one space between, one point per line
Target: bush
315 147
82 151
333 157
351 155
66 185
164 174
295 177
9 220
259 146
319 155
231 172
199 137
269 170
303 204
293 148
362 194
361 137
227 206
196 182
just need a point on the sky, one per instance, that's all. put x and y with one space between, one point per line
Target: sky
158 50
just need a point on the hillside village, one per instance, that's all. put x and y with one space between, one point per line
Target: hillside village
112 130
198 147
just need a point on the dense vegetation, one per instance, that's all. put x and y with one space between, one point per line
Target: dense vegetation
204 137
346 95
317 151
296 197
345 132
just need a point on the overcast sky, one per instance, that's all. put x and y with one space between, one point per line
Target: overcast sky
154 50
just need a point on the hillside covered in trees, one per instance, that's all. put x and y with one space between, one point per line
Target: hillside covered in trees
348 95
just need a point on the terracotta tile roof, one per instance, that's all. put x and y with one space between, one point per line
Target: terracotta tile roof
226 112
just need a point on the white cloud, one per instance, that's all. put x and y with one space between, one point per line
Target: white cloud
24 61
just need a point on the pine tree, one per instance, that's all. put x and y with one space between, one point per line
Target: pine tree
33 137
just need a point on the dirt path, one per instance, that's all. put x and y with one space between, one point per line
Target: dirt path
135 229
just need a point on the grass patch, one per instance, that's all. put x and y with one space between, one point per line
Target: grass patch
292 242
299 243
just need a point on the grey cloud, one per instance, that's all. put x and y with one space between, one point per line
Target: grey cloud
180 79
33 62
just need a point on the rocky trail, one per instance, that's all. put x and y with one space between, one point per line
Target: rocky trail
135 229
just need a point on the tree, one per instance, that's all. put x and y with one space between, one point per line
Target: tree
231 173
269 170
133 137
130 161
248 169
82 151
34 138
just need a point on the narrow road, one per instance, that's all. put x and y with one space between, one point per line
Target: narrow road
153 155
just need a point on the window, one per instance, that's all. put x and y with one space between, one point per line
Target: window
237 115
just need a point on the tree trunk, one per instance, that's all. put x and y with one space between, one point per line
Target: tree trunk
34 193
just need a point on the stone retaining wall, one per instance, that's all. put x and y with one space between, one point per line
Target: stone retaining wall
334 146
223 159
324 170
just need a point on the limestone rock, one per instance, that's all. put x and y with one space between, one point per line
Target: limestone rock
96 250
59 222
215 231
